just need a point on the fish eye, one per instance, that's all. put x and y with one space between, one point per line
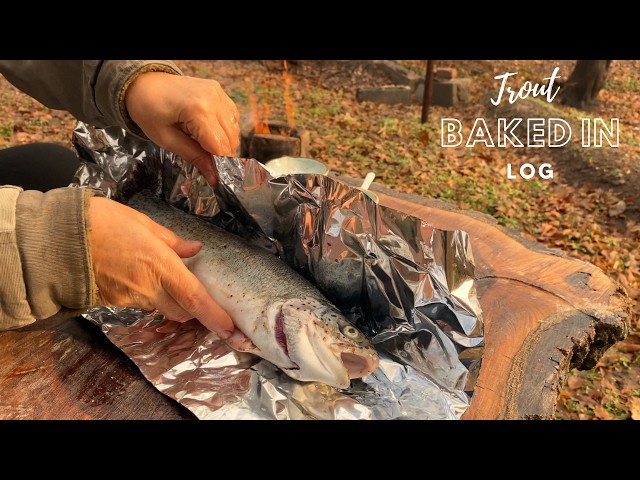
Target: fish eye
351 332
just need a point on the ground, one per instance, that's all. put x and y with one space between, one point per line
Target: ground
590 209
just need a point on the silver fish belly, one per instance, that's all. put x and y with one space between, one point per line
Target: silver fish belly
288 320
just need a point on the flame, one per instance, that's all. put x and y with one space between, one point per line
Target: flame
259 115
289 107
264 124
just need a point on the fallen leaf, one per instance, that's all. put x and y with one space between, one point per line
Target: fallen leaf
617 208
575 383
22 137
629 348
634 407
602 413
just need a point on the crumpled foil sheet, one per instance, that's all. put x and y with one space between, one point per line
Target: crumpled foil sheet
408 286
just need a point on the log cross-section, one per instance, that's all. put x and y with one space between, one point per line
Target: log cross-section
545 312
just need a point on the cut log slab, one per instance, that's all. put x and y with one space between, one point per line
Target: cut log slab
67 369
544 312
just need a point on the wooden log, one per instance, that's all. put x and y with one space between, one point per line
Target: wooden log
67 369
544 313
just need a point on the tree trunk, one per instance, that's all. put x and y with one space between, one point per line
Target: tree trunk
584 83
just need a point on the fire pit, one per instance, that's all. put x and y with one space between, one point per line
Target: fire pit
271 140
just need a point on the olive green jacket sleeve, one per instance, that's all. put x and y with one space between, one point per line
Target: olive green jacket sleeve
45 264
91 90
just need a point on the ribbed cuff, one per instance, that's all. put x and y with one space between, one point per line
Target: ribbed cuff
15 311
51 232
152 67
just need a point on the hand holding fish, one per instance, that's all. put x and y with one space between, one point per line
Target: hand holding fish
287 321
142 267
191 117
279 315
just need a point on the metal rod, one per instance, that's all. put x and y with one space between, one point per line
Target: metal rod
426 100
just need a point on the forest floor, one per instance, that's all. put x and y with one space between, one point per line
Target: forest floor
590 209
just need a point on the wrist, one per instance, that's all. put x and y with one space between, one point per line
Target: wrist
137 89
141 86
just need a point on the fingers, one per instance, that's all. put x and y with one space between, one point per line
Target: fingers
229 119
209 132
183 247
187 248
191 117
171 310
142 267
230 126
221 120
192 297
190 150
215 123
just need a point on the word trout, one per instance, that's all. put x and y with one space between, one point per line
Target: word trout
527 89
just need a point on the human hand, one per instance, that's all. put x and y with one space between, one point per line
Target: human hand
191 117
141 267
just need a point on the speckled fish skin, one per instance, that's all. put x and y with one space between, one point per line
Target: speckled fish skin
289 321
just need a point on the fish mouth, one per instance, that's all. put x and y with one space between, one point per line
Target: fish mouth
318 356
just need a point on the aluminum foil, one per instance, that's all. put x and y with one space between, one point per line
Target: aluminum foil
408 286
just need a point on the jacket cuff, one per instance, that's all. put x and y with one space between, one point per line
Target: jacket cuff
51 230
14 308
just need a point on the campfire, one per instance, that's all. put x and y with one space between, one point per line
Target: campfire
280 140
265 139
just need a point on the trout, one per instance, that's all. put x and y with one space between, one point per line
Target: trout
287 319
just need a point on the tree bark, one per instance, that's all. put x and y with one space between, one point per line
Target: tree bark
585 82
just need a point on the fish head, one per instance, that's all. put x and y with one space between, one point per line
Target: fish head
322 343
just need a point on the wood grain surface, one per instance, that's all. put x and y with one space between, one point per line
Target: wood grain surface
544 313
67 369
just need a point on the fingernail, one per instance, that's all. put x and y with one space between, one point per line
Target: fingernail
239 341
226 334
237 337
211 178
